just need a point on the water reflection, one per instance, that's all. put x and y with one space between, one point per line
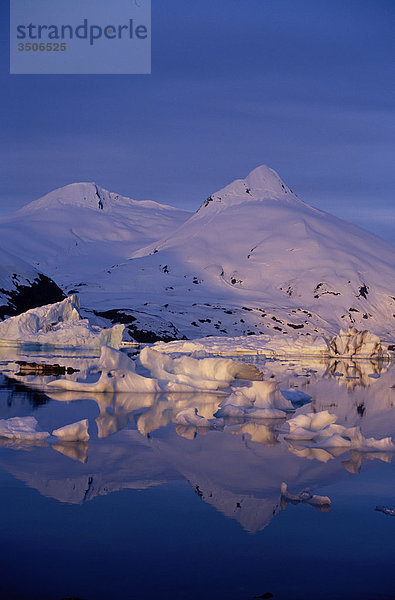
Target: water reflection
136 443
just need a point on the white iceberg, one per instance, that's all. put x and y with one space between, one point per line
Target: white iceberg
312 425
263 344
118 374
350 343
359 442
358 344
322 429
21 428
75 432
58 324
203 373
261 400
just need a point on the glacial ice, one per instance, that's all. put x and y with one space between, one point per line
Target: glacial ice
75 432
322 429
58 324
350 343
185 374
117 375
263 344
203 373
261 400
21 428
358 344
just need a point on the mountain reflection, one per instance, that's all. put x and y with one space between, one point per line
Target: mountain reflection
238 468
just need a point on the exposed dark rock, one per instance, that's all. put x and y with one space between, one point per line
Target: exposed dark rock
363 291
295 326
34 368
41 291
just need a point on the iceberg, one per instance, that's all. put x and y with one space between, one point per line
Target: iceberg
118 374
203 373
260 345
261 400
21 428
358 344
322 429
75 432
350 343
58 324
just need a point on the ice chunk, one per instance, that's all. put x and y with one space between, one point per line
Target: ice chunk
261 400
322 428
110 359
58 324
359 344
118 375
205 373
359 442
21 428
75 432
313 422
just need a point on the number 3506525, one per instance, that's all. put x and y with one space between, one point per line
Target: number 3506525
42 47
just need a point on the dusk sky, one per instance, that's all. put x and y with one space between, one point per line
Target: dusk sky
306 87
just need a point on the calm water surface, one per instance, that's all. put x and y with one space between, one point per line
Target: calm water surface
150 509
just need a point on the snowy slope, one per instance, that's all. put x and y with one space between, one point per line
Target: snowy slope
22 287
80 228
253 259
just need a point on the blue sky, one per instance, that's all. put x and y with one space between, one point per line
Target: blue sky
306 87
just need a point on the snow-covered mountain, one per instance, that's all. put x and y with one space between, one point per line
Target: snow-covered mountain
253 259
22 287
80 228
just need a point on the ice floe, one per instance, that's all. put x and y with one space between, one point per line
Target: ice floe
261 400
184 374
21 428
203 373
322 429
75 432
58 324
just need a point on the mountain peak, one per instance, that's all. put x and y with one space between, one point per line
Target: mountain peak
266 180
263 183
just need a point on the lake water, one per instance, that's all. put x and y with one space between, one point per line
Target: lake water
150 509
